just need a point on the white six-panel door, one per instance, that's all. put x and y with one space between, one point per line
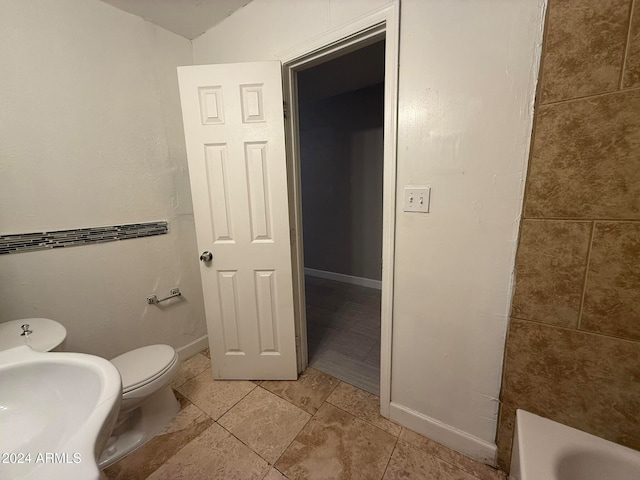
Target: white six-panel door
234 130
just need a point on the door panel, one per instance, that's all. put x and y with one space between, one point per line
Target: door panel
234 131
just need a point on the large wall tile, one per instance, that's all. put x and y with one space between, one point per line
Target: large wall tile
612 300
584 47
587 381
504 435
551 264
632 67
585 159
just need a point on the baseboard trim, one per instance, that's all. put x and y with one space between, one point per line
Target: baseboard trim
187 351
340 277
444 434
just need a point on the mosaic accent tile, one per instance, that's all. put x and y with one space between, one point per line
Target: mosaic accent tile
27 242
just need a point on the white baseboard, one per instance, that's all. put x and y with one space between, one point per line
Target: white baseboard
340 277
193 348
446 435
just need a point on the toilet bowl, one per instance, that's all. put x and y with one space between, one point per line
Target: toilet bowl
148 403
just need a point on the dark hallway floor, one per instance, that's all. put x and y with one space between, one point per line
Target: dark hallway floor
343 331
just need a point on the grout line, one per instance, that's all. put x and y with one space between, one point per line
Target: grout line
586 332
451 461
228 409
585 220
242 442
193 404
250 447
625 54
364 420
393 450
282 398
281 473
175 387
311 417
181 448
593 95
586 273
503 376
537 103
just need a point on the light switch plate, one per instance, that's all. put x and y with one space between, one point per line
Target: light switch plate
416 198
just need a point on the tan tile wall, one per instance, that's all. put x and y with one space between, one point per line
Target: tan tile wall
573 347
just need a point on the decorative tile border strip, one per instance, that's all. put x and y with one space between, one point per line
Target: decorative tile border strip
27 242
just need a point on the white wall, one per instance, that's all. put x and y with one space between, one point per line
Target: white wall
91 134
466 90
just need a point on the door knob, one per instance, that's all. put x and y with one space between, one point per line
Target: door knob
206 257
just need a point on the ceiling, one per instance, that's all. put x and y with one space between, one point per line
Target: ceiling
189 18
353 71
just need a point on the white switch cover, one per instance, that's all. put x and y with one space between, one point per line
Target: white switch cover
416 199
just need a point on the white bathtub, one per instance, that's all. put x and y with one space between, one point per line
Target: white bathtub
547 450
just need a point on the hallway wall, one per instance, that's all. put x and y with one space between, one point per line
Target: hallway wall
341 157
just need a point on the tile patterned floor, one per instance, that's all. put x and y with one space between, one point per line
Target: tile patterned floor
314 428
343 331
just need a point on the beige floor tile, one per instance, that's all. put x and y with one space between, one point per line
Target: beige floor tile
187 425
337 445
215 397
275 475
408 461
215 454
265 422
308 392
363 405
207 353
478 469
190 368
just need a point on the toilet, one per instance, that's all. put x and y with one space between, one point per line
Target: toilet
148 403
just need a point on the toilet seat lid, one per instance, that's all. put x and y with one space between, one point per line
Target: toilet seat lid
142 365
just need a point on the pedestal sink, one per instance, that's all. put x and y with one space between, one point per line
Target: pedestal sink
57 411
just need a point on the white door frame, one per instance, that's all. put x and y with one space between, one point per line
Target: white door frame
383 23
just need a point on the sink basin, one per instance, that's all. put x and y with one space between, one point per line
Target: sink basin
57 411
